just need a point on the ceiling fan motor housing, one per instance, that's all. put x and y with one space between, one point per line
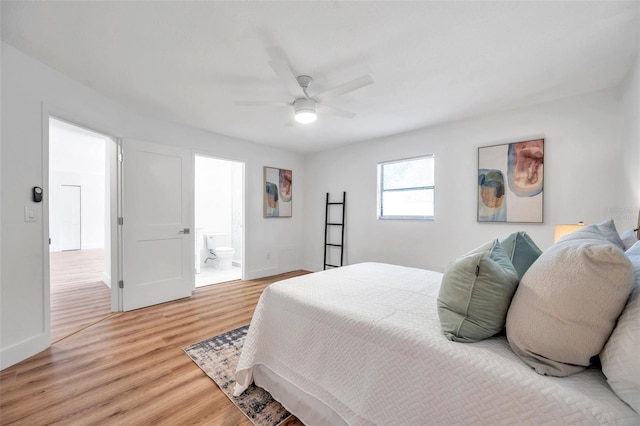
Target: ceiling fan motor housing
304 104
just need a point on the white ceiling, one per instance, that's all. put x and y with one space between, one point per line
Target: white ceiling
432 62
76 150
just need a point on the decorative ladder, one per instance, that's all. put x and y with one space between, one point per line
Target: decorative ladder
327 224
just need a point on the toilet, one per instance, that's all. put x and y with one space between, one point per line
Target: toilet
223 255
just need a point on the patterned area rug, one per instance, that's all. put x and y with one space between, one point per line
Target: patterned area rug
218 357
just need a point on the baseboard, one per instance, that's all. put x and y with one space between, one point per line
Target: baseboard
23 350
261 273
313 267
92 246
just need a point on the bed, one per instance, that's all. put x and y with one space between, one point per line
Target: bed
362 345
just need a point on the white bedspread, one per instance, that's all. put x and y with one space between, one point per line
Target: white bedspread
365 340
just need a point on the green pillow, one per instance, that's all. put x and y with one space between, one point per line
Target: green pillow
521 250
475 294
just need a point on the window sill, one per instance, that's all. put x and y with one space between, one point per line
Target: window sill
408 218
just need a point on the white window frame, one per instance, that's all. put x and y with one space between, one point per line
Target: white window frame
381 189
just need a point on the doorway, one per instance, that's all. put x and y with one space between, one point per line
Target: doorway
80 178
70 215
219 215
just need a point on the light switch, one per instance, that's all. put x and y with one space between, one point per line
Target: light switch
30 214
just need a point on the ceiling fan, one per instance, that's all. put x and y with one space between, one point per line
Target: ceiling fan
305 106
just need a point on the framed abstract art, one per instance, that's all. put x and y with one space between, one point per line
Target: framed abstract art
511 182
278 192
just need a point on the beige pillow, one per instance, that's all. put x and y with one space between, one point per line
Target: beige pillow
567 304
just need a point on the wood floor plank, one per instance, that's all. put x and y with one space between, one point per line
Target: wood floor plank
130 368
79 297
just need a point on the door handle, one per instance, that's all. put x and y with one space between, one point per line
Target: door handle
185 231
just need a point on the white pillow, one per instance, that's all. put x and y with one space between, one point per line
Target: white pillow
629 238
621 355
602 231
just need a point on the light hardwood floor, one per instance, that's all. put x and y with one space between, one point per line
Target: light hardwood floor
79 297
129 368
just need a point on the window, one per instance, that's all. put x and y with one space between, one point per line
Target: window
406 189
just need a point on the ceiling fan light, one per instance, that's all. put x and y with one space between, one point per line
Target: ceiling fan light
305 110
305 116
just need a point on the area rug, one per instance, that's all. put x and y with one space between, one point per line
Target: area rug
218 357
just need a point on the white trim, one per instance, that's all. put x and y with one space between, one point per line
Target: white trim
23 350
261 273
46 302
87 124
116 229
380 190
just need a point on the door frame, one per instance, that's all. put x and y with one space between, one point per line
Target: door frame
115 150
243 162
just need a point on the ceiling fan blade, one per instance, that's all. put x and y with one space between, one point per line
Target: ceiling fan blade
347 87
287 76
261 103
291 123
277 54
324 109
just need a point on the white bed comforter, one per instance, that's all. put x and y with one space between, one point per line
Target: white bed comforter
365 340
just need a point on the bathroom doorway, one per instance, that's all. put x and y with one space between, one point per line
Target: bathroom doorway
219 215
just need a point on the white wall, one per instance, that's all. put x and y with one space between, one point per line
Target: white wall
77 158
583 163
630 92
30 88
237 225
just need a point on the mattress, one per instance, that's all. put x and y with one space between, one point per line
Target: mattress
364 342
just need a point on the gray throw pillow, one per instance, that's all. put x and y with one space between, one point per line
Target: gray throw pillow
567 304
521 250
475 294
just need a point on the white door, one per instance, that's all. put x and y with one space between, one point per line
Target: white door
70 212
157 243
